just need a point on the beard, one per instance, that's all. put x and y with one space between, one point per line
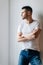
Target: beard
26 17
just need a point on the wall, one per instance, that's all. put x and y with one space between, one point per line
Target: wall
15 8
4 32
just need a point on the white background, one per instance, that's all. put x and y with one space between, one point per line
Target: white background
9 52
4 32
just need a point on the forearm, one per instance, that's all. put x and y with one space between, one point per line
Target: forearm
30 37
26 38
22 39
34 34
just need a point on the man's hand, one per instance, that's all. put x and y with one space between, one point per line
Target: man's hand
21 38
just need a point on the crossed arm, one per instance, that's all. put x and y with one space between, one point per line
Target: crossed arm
34 34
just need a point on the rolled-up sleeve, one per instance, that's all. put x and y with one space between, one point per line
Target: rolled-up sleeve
38 25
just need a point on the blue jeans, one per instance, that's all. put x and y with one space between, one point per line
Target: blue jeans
29 56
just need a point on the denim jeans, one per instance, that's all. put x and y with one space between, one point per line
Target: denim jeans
29 56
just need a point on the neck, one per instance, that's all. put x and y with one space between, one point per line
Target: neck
29 20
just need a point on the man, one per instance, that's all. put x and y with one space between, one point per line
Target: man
28 33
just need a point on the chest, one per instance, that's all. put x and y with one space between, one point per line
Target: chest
28 28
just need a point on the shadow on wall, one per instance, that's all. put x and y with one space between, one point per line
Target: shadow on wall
41 36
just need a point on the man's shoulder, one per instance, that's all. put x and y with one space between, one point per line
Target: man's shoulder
36 22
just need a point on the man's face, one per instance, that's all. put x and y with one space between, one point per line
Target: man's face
25 13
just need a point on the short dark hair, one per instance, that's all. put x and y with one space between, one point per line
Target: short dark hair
28 8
